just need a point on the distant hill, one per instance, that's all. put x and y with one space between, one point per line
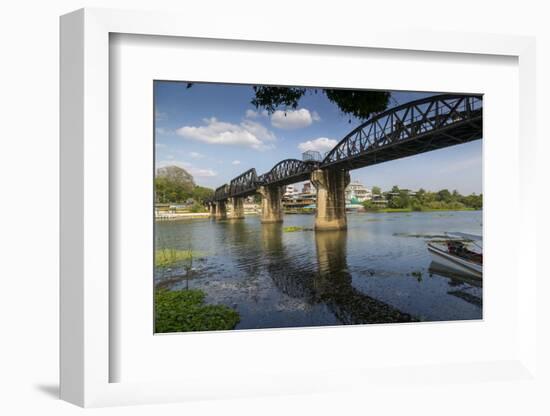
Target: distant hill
175 184
177 176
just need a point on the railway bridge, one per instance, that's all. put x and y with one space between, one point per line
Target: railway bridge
412 128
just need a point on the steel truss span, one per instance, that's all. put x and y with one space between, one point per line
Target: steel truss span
244 185
412 128
416 127
288 171
221 193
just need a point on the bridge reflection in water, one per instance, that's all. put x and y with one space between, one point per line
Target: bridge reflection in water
331 284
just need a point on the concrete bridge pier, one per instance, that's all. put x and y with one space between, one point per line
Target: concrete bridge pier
221 210
212 209
331 202
272 207
237 213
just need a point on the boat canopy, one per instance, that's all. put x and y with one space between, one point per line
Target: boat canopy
467 236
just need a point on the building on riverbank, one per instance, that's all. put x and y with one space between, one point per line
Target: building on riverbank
357 193
290 191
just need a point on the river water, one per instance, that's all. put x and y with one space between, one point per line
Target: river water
379 270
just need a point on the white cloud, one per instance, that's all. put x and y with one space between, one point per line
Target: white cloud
236 162
196 155
293 119
159 115
322 144
163 131
248 133
255 114
189 167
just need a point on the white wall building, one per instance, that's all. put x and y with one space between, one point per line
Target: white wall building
290 191
357 192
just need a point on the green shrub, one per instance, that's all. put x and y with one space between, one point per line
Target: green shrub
184 311
198 207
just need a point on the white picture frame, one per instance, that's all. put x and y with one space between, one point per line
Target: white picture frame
86 356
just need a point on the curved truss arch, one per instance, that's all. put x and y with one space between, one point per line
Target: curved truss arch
418 126
288 171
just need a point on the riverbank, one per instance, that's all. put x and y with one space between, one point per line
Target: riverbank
170 216
206 215
190 216
397 210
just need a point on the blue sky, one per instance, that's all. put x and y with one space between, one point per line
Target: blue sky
214 132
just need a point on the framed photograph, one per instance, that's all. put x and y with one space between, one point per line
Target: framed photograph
231 228
306 242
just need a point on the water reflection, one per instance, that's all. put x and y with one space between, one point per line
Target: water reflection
458 281
330 282
366 274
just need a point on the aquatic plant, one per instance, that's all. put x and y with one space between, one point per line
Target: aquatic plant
166 257
184 311
292 228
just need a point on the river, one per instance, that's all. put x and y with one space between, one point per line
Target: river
379 270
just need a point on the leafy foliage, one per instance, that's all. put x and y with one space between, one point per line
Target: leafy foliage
271 98
184 310
357 103
401 199
361 104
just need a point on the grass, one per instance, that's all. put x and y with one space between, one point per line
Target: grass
184 311
166 257
292 229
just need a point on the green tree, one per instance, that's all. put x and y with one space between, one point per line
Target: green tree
358 103
455 196
200 193
444 195
420 196
376 190
169 190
